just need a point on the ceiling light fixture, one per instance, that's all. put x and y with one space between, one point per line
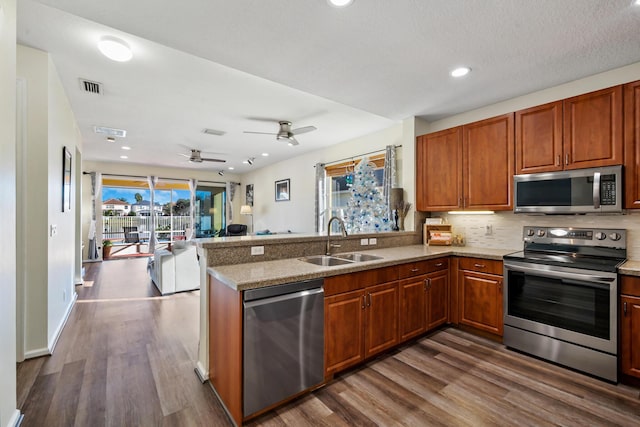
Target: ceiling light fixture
340 3
115 49
221 173
124 147
231 168
460 71
249 161
636 3
111 139
124 157
265 154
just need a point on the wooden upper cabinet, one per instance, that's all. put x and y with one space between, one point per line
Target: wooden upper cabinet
488 163
593 134
439 173
539 139
632 145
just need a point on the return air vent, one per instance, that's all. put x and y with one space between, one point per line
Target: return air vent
91 87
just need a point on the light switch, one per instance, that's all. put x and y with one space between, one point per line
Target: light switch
373 241
53 230
364 242
257 250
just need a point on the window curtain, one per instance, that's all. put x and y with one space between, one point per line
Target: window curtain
321 198
152 180
193 184
231 191
96 184
389 177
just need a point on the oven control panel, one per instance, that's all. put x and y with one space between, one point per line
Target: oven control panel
604 237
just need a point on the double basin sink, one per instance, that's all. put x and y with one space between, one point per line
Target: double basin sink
338 259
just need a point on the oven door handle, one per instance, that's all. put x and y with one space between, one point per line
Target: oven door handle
590 279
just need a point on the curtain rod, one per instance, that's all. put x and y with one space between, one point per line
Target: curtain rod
357 155
161 177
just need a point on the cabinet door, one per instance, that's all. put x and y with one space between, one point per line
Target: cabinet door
630 335
488 163
593 129
381 327
343 324
438 171
480 299
413 307
632 145
539 139
437 298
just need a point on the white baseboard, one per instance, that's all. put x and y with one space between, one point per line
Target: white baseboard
36 353
16 419
63 322
203 374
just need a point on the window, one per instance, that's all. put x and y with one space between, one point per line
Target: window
339 180
172 200
210 209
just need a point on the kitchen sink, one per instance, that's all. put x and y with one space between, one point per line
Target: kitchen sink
340 259
357 257
325 261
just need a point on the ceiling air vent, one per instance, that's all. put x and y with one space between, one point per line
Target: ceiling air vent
91 87
110 131
214 132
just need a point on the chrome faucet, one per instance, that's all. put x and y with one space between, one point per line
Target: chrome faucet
344 233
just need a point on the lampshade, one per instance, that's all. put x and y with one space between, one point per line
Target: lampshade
246 210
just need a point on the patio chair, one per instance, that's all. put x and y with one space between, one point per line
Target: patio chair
132 237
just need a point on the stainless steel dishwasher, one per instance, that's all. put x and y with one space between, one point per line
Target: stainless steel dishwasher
283 342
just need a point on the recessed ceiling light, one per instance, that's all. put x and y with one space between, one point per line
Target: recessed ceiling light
460 71
231 168
124 147
340 3
265 154
124 157
115 49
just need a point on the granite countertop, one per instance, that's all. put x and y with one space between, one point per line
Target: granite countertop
231 241
630 268
268 273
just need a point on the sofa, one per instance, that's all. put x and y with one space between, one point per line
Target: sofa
177 270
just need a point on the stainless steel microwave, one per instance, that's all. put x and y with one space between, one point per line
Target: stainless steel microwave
594 190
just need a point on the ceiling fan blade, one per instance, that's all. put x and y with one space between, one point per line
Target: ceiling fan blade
293 141
184 155
213 160
303 130
260 133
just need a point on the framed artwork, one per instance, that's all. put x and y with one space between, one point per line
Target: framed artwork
250 194
283 190
66 180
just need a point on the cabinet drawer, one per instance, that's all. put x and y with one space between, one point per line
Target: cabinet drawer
630 285
417 268
354 281
481 265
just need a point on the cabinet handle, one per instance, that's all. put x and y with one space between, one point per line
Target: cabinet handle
460 205
364 301
428 283
479 265
440 264
624 308
566 159
500 286
415 270
425 285
558 160
369 304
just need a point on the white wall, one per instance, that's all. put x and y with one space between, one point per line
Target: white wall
8 412
146 170
48 262
298 214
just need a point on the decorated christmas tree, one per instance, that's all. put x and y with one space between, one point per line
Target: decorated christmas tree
366 211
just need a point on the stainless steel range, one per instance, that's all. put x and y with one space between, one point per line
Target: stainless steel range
561 294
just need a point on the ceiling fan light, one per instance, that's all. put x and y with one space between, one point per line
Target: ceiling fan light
115 49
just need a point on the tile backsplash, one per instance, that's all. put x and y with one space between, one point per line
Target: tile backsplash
506 227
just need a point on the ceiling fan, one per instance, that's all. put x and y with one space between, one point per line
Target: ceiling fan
286 133
196 157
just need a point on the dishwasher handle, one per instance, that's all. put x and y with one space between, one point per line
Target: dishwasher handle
280 298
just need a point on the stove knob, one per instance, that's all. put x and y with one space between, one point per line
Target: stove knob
540 233
615 236
600 235
530 232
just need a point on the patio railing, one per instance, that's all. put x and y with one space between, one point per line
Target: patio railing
113 226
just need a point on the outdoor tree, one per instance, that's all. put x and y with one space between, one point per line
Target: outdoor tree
138 197
131 213
123 199
366 210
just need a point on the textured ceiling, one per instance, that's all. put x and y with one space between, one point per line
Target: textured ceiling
349 72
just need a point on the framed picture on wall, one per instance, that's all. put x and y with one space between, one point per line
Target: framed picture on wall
66 180
283 190
249 194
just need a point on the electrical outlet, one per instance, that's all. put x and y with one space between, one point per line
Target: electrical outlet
364 242
373 241
488 230
257 250
53 230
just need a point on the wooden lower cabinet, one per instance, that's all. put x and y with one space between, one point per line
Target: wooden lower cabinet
359 324
630 326
480 295
424 303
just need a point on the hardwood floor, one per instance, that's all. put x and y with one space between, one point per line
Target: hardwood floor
126 358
